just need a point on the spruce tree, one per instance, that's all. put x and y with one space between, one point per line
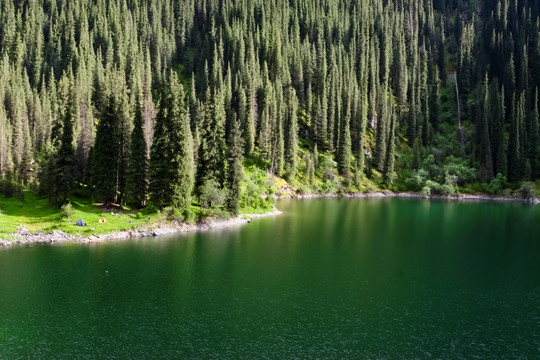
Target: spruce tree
124 115
278 150
320 122
235 169
105 155
66 161
382 130
159 167
344 146
249 121
171 158
181 149
533 138
388 172
138 160
412 117
486 141
212 149
291 136
400 76
496 115
363 121
515 170
509 82
434 100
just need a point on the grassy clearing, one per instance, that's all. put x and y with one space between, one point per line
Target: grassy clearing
257 210
32 212
38 216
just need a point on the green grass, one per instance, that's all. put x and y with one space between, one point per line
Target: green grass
254 211
33 212
38 216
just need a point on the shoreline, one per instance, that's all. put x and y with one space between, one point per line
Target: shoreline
411 195
159 229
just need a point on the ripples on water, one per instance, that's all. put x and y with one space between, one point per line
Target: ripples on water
330 278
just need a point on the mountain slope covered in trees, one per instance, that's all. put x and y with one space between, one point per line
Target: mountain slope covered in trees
133 101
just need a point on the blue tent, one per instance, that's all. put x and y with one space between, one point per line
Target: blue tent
80 223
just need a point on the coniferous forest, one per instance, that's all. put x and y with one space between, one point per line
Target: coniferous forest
162 102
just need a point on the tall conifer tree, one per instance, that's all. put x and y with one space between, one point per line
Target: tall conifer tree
235 169
171 157
66 162
138 160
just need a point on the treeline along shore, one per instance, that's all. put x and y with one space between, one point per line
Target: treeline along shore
209 109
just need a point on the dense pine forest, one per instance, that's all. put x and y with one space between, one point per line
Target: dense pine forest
165 102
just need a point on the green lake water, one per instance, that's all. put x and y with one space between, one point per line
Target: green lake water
329 278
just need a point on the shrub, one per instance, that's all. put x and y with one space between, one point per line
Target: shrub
392 177
150 208
426 191
304 189
331 186
251 194
67 211
173 214
417 179
433 169
450 180
528 191
447 190
328 168
222 214
215 213
189 216
270 202
212 195
436 188
496 185
433 186
459 170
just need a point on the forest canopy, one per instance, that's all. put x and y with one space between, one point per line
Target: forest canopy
162 100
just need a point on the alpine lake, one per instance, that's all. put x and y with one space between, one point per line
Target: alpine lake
329 278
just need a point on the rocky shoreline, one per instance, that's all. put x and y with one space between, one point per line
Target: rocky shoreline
379 194
23 237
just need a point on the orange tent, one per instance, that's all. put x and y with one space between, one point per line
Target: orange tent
102 220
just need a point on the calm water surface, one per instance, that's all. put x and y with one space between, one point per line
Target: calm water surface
330 278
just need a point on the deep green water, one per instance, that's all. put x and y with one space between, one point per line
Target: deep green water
330 278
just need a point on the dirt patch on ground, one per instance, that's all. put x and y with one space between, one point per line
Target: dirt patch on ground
110 207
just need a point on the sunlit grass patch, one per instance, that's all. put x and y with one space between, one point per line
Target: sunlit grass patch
38 216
